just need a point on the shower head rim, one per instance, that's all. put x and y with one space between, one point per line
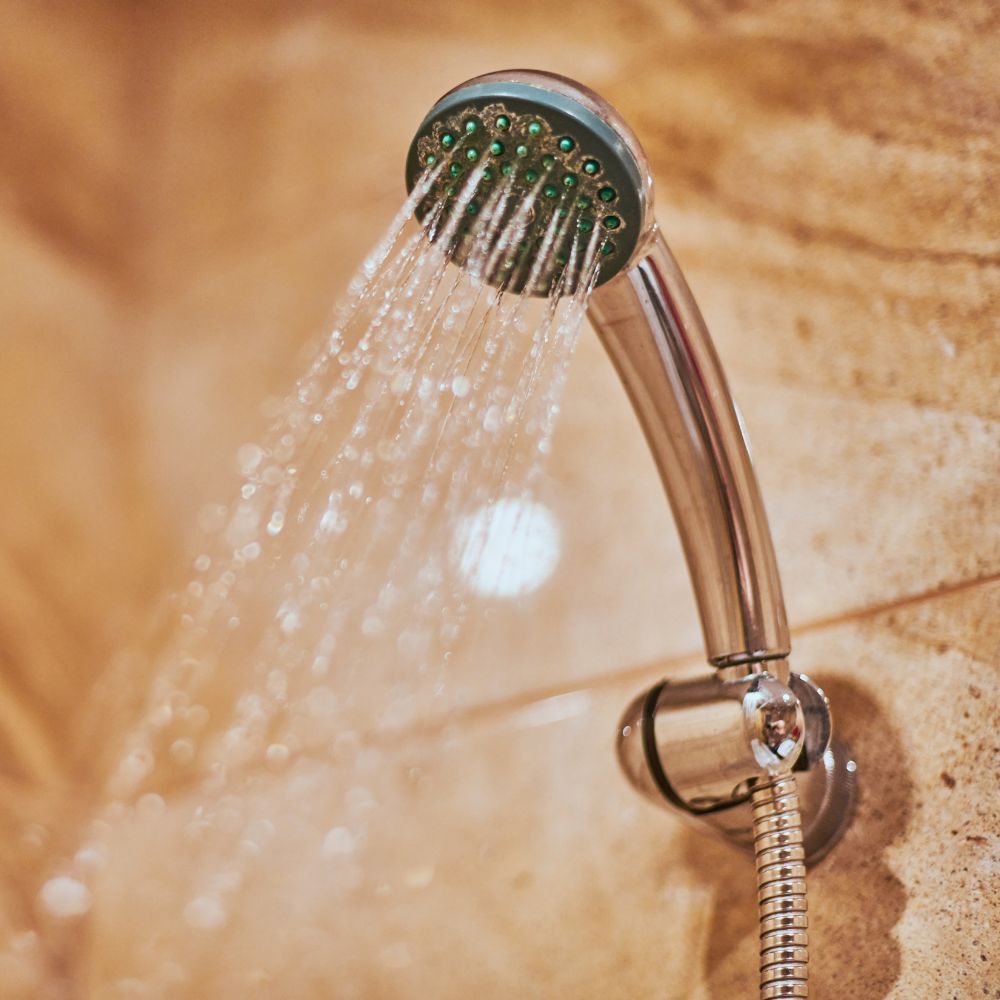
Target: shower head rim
592 118
582 95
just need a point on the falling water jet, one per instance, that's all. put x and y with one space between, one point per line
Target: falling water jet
327 603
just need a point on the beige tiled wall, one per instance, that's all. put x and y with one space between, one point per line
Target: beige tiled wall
185 191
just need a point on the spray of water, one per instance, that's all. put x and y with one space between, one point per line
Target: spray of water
397 479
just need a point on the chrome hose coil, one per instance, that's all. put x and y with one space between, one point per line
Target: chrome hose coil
781 889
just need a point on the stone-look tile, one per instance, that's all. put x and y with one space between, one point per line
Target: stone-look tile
433 869
903 907
76 533
507 856
185 191
868 501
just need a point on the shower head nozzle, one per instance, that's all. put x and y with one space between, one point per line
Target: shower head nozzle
549 160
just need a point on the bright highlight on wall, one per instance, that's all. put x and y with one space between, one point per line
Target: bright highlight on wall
507 548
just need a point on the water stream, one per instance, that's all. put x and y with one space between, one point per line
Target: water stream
397 482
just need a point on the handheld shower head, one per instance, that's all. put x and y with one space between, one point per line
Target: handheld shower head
551 161
573 171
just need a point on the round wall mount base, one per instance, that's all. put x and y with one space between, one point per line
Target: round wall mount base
828 793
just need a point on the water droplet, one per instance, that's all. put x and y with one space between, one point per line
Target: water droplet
308 393
493 419
249 457
460 386
64 897
290 622
92 857
137 765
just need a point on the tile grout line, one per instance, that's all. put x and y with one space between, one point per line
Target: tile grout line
488 711
898 603
491 712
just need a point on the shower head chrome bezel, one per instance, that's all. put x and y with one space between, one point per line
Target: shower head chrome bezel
565 109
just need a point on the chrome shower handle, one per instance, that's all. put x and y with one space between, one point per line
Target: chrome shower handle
654 333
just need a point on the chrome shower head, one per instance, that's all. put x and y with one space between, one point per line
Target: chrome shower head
576 174
563 149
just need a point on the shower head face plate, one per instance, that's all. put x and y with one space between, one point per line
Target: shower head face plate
536 161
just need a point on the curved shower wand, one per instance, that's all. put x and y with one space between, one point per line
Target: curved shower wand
557 163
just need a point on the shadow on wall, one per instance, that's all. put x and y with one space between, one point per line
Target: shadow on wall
855 899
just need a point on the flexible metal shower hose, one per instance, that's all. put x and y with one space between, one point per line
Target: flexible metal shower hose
781 890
